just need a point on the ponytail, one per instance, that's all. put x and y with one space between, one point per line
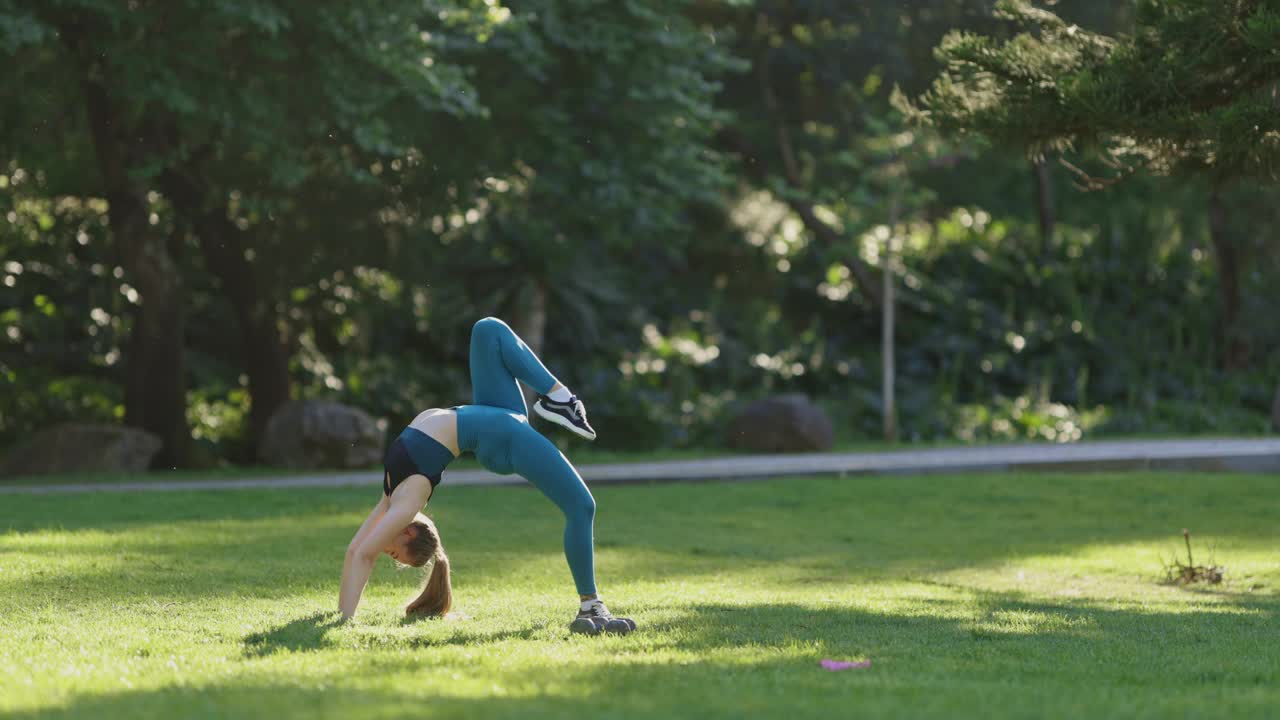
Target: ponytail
436 596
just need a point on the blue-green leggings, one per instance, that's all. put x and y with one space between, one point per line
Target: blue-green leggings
496 428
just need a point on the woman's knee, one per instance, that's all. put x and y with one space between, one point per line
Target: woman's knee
584 507
489 327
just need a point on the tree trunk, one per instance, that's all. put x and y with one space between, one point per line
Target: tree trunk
1234 348
890 409
155 385
155 380
529 320
266 359
1044 204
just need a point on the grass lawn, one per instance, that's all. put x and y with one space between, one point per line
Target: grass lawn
978 595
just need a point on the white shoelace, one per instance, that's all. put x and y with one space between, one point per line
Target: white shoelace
598 610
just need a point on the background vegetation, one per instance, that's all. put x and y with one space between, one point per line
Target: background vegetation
210 206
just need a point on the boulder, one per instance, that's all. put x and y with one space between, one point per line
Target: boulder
83 447
312 434
781 423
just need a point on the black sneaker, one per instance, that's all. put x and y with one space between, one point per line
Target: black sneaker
570 415
598 619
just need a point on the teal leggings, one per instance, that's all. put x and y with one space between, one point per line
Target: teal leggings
496 428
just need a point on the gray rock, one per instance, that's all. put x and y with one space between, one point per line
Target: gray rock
782 423
313 434
83 447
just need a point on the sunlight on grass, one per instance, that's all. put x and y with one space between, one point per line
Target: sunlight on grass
1133 571
992 594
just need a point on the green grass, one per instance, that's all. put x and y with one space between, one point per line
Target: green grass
992 595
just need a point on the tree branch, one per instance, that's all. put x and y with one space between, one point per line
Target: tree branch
828 235
1089 183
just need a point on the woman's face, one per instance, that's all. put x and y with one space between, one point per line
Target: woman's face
399 547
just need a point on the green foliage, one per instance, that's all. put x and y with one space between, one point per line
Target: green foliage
1190 89
1021 418
693 196
608 109
593 158
19 27
220 423
996 315
63 309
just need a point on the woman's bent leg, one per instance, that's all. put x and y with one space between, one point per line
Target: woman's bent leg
541 463
498 358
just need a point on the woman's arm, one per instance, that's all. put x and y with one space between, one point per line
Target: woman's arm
376 534
366 527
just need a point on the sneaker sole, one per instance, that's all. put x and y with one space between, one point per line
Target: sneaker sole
584 626
619 626
559 420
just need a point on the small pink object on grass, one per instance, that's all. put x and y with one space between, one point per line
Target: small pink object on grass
834 665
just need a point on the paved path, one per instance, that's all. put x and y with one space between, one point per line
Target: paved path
1256 455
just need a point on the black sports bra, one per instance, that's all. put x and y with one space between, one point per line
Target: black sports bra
399 462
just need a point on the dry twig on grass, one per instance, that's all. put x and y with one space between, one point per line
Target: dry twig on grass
1177 573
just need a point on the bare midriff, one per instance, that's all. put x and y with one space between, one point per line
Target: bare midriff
441 425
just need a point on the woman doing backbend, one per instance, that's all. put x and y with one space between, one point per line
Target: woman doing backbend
496 428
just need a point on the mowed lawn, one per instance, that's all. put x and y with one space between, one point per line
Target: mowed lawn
978 595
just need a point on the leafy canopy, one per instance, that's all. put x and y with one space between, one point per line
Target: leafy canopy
1192 88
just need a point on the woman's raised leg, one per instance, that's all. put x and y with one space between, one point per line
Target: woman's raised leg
498 359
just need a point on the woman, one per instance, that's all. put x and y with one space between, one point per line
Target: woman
495 427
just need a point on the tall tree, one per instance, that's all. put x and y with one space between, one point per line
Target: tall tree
124 141
218 111
1191 91
811 116
595 146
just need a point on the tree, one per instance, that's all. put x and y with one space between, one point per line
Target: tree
1189 92
811 112
593 150
217 111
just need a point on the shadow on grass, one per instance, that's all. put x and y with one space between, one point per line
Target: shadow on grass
995 654
311 633
305 633
928 624
464 636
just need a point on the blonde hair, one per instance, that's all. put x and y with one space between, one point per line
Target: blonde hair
436 596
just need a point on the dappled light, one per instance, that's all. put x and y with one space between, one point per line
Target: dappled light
986 580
